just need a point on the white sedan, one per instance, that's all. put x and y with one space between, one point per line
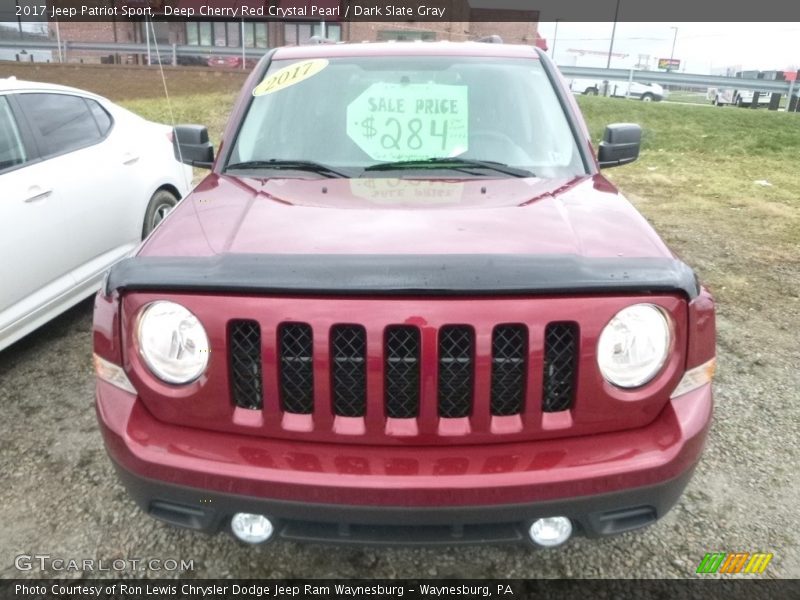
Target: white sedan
82 181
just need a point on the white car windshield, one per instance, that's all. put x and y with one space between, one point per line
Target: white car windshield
373 116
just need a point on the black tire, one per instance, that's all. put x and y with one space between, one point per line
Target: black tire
592 91
160 205
648 97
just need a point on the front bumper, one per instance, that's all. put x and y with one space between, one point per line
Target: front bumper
606 483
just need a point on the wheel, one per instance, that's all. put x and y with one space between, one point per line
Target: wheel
592 91
648 97
159 207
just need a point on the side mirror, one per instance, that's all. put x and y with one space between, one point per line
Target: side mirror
191 146
620 145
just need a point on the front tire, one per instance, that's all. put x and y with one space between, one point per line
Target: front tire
160 205
648 97
592 91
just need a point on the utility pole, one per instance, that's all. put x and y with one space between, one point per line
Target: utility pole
672 53
555 37
611 46
613 33
19 19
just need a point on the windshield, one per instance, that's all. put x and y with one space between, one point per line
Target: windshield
374 116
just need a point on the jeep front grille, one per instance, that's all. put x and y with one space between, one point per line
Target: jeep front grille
560 362
401 371
349 370
500 366
456 349
245 363
295 351
509 352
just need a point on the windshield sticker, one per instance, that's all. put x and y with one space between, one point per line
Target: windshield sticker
412 121
288 76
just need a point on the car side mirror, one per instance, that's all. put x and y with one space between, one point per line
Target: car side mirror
192 147
620 145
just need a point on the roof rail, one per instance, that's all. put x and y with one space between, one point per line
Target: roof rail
490 39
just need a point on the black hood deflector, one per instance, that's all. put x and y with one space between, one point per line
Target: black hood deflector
403 275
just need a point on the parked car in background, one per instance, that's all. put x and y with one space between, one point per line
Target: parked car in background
743 98
182 60
231 62
83 181
646 92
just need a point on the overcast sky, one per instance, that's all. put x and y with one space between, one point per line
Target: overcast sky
701 47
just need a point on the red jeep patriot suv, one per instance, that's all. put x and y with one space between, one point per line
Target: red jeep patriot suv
405 307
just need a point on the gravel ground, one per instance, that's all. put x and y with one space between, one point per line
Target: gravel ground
60 495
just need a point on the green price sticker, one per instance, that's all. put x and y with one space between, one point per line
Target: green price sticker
414 121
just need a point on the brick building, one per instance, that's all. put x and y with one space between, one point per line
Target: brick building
268 34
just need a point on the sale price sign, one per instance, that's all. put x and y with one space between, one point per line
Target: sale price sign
410 121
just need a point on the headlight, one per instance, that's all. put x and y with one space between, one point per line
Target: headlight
634 345
172 342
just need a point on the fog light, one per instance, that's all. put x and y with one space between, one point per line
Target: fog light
251 528
551 531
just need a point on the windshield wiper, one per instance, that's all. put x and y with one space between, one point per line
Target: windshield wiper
294 165
456 164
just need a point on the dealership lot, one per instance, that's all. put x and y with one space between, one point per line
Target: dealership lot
695 182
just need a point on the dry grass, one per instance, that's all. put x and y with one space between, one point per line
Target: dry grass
721 186
211 110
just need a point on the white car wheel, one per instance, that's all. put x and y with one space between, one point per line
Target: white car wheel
159 207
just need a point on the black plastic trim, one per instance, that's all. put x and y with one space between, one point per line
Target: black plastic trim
403 274
593 516
223 158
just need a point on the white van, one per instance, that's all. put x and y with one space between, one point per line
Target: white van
646 92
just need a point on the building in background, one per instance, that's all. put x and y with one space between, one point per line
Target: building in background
520 27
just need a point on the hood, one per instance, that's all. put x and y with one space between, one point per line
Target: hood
583 216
